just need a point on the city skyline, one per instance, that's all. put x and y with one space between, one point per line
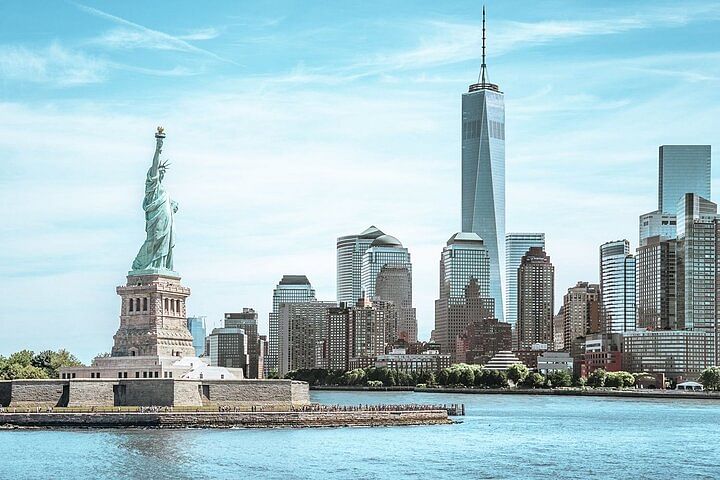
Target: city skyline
74 134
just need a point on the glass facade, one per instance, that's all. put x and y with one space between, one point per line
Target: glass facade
196 325
657 224
516 245
387 276
697 263
228 347
350 252
483 176
464 267
617 286
291 289
682 169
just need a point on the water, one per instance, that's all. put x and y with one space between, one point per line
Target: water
502 436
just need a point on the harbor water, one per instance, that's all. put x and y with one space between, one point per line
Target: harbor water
500 436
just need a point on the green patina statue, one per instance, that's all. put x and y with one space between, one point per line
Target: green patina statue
156 254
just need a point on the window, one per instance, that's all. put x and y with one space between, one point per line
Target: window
145 304
166 305
131 304
137 304
137 374
119 374
144 374
157 374
124 374
170 374
73 375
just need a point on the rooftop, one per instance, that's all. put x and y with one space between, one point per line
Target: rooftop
386 241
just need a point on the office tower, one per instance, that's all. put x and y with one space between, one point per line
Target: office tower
367 332
675 353
228 347
581 311
516 245
394 285
387 255
483 171
617 287
337 345
657 224
291 289
350 252
483 337
302 330
464 260
682 169
248 321
656 284
196 325
697 263
535 297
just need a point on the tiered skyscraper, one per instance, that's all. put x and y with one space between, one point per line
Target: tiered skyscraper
516 246
291 289
536 292
483 171
387 276
350 252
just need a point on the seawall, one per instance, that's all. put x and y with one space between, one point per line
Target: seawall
588 392
224 420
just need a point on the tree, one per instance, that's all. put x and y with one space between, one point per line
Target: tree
467 376
710 378
534 380
597 378
22 358
517 373
559 378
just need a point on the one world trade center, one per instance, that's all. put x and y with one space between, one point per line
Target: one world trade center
483 172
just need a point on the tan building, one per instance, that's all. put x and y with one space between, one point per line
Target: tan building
581 312
535 296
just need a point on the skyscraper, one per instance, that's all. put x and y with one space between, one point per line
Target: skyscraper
581 312
248 321
464 261
697 262
536 293
196 325
483 172
617 287
302 332
291 289
350 252
516 246
656 283
387 276
682 169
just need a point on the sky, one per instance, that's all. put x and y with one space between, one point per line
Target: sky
292 123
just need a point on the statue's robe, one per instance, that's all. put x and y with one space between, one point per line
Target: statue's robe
156 252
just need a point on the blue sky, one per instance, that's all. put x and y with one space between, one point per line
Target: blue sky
291 123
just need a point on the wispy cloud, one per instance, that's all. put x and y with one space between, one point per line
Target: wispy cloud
134 35
448 42
54 64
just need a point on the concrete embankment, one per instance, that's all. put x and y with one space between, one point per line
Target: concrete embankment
587 392
224 419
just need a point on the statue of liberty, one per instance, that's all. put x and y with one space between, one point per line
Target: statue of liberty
156 254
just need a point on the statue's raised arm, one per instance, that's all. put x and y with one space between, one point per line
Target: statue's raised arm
155 255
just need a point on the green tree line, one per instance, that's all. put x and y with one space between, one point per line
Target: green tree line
27 364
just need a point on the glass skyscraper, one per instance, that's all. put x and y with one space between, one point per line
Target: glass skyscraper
387 276
617 287
463 261
483 172
291 289
516 246
682 169
196 325
350 252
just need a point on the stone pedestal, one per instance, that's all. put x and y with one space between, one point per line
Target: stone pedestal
153 318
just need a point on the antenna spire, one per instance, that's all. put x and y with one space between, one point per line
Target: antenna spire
483 67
